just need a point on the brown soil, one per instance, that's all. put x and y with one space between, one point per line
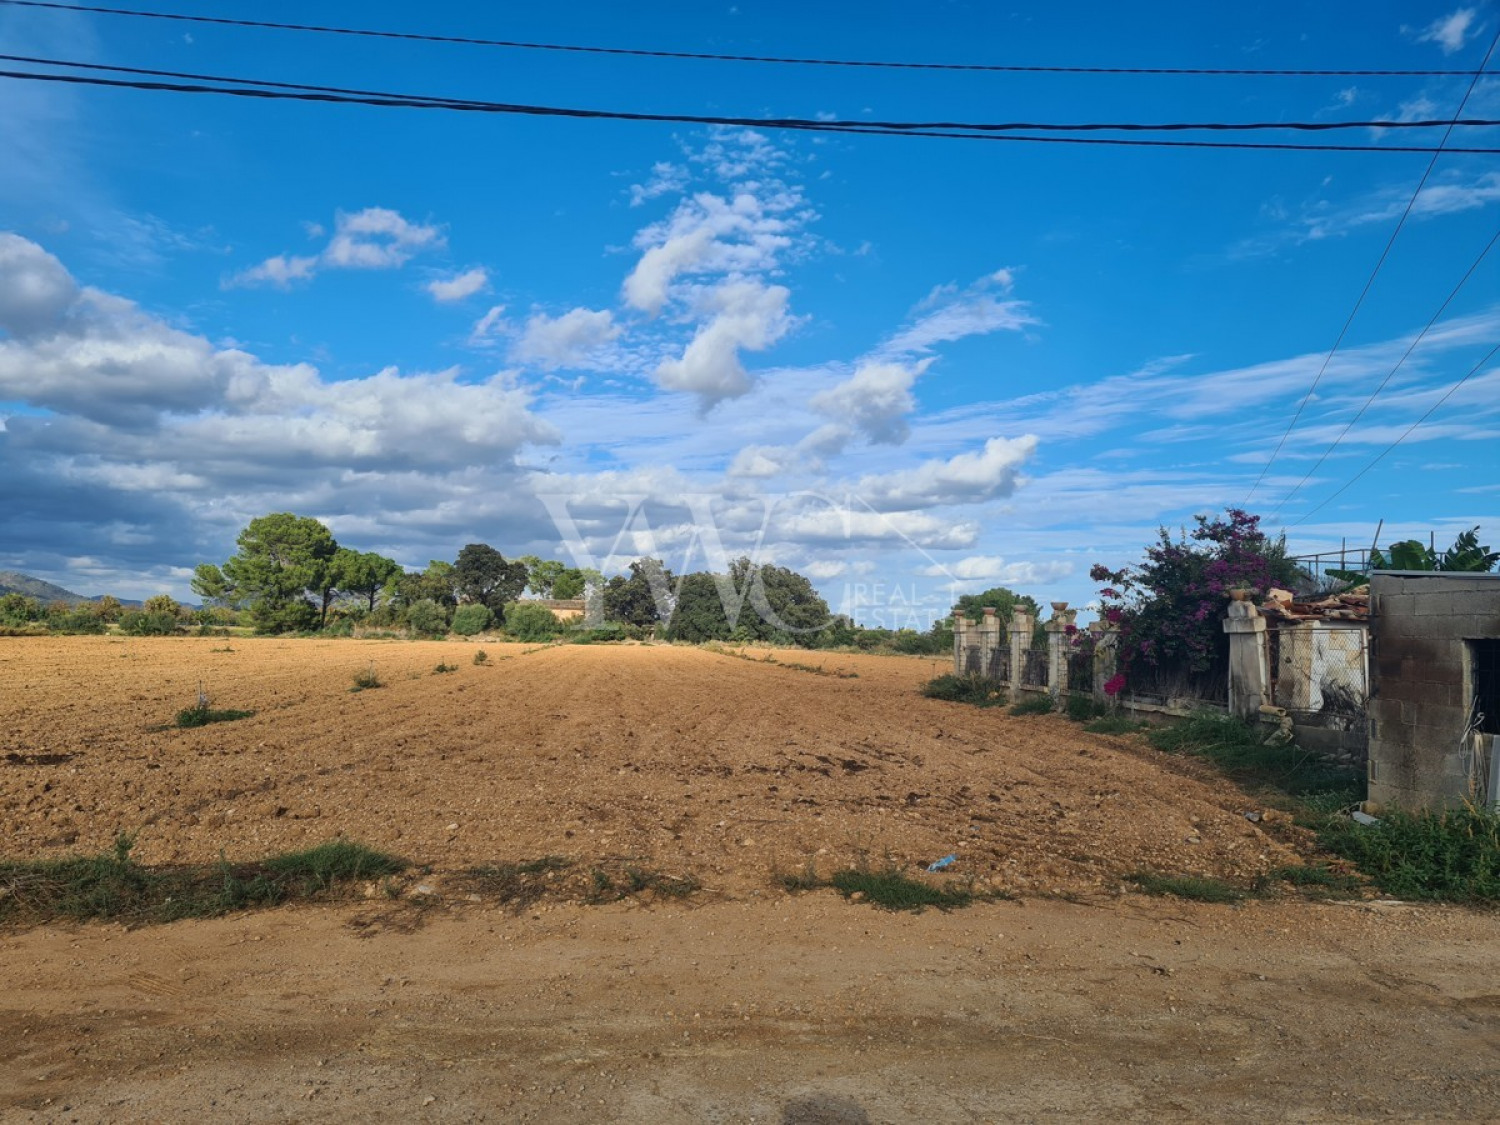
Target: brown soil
742 1004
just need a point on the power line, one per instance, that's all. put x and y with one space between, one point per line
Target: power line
1409 430
1370 281
797 122
334 95
994 68
1390 374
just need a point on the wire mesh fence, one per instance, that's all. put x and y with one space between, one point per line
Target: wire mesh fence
1081 671
1321 669
1034 674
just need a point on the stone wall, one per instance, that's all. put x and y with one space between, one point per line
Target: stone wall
1422 752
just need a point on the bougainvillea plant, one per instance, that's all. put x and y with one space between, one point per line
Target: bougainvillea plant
1169 608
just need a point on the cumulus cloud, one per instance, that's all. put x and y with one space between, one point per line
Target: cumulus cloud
744 315
35 290
466 284
967 478
875 400
376 238
578 339
1449 32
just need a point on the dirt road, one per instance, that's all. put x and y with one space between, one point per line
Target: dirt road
802 1009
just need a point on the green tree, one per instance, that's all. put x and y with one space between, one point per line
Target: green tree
570 585
364 574
644 598
210 584
469 620
164 604
435 584
1003 601
699 613
107 608
542 575
18 609
282 557
481 574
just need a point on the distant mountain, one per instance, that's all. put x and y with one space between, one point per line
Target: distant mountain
12 582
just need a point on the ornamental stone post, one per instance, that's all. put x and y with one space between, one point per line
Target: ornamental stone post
1249 661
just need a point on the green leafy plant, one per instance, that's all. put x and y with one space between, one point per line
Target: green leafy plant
1038 704
481 657
471 620
441 667
1451 855
965 689
1083 708
366 679
1197 887
530 622
889 889
201 714
1116 724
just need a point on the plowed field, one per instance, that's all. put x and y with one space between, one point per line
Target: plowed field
688 761
740 1004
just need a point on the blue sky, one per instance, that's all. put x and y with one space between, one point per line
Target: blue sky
908 367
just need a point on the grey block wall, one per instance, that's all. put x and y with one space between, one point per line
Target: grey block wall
1419 687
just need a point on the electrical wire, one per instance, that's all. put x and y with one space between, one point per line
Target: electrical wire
796 122
334 95
1370 281
1390 374
1409 430
710 57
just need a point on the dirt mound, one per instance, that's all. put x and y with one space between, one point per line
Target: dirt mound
690 762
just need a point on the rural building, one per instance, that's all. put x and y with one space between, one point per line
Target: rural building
1435 688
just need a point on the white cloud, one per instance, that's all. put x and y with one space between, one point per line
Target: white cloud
36 291
375 238
967 478
579 338
875 400
745 315
666 178
1451 31
949 314
490 327
993 568
460 286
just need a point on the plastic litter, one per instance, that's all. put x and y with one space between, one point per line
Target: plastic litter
1364 818
942 863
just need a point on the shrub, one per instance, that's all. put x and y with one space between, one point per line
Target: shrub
481 657
965 689
607 633
1033 705
141 624
470 620
1082 708
527 621
427 617
442 667
366 679
1237 749
200 715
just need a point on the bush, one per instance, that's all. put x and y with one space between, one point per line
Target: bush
481 657
1451 855
427 617
470 620
141 624
609 632
1033 705
527 621
80 621
1083 708
965 689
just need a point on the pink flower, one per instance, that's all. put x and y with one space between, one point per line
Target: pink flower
1115 684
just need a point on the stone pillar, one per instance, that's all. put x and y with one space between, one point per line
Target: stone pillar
1106 656
1058 647
989 639
1021 626
961 627
1249 667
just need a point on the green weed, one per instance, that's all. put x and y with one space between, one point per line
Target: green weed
975 690
1453 855
891 890
1116 724
366 679
200 715
1197 887
443 667
1033 705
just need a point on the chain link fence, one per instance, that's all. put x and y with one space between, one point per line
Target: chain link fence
1321 669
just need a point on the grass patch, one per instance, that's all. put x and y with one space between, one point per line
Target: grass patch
1453 855
1314 881
891 890
516 884
1116 724
201 714
115 887
366 679
1196 887
443 667
1236 748
975 690
634 882
1033 705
